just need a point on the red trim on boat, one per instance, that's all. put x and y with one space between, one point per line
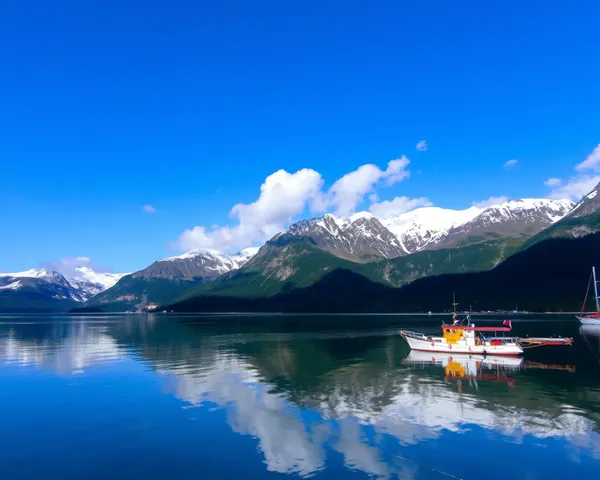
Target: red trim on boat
478 329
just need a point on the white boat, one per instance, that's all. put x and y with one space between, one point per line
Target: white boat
464 339
460 337
592 318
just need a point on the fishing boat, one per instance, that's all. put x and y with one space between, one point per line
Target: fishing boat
464 337
591 318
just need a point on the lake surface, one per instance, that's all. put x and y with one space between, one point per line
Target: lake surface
258 397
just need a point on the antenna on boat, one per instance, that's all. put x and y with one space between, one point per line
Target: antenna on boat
454 304
595 288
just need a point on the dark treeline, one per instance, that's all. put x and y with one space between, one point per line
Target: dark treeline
549 276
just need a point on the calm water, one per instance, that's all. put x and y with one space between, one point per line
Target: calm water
258 397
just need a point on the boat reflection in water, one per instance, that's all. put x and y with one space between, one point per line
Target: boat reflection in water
474 368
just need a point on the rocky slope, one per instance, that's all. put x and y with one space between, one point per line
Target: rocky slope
33 289
513 219
362 237
87 283
583 219
424 228
167 279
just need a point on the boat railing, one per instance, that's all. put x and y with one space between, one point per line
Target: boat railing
503 339
417 335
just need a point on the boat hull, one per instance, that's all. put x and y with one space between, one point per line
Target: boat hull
427 345
589 320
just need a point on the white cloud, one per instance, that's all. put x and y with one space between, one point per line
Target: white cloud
511 163
592 161
490 201
421 146
580 184
575 188
68 266
373 198
553 182
149 208
284 195
350 190
397 206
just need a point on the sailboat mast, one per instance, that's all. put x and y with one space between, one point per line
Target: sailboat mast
595 289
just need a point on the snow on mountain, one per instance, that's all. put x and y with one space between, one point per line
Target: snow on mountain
424 227
78 287
357 238
243 256
203 263
515 218
15 285
44 282
588 205
435 227
88 283
32 273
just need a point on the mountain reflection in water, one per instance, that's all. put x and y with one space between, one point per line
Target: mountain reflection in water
323 401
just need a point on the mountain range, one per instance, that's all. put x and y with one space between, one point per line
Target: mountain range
389 252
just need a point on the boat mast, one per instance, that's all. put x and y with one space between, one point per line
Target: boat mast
595 289
454 305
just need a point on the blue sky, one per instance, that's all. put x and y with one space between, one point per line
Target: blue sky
190 106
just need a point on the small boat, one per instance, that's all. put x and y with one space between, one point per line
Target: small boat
462 337
592 318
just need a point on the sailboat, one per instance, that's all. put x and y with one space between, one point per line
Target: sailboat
592 318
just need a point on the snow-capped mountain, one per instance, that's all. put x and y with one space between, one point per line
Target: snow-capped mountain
423 228
515 218
433 227
357 238
43 289
582 220
197 263
88 283
364 236
588 205
168 279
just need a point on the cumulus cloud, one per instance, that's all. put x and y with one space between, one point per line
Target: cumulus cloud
284 195
490 201
397 206
581 183
149 208
553 182
511 163
421 146
575 188
68 266
592 161
347 192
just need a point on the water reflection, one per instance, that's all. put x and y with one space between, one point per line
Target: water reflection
65 347
307 397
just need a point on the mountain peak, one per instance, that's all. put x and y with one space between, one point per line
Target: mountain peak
360 237
588 205
360 215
